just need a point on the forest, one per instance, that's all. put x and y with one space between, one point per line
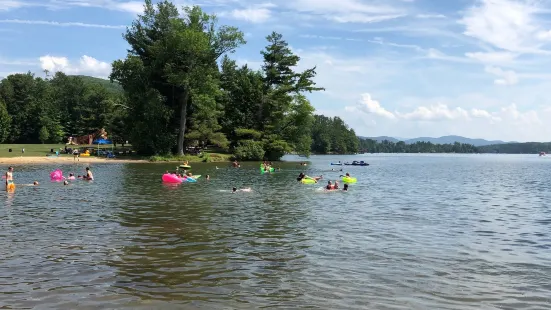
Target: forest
178 87
372 146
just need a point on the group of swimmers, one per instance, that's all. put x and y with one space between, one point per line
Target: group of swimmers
330 186
10 185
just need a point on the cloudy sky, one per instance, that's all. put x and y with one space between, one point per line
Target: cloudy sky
403 68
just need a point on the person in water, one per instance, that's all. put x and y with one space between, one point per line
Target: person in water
302 176
9 179
345 188
89 176
65 182
207 177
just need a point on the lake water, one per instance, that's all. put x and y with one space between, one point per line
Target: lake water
415 232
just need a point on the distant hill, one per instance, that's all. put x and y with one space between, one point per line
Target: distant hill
381 139
442 140
112 87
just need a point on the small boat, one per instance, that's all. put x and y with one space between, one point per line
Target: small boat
336 164
357 163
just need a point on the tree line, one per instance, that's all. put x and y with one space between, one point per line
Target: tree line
517 148
50 109
385 146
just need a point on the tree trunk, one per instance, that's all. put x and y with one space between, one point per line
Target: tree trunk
183 98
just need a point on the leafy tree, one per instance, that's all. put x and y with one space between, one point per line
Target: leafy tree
5 122
44 135
176 54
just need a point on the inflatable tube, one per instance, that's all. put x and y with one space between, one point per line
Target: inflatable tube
308 181
262 171
191 179
349 180
56 176
171 178
184 167
336 164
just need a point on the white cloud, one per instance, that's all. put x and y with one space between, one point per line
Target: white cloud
253 15
505 77
370 106
427 16
347 11
133 7
437 112
86 66
493 57
506 24
60 24
6 5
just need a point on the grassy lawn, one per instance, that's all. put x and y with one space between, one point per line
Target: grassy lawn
39 149
32 150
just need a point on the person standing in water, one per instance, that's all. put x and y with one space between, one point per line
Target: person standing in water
9 179
89 176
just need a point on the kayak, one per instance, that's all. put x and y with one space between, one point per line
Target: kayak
349 180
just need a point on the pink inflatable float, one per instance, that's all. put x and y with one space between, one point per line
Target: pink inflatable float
171 178
56 176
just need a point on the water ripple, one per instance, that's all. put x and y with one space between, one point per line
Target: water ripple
416 232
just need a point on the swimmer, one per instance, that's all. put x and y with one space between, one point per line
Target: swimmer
345 189
71 176
329 186
65 182
207 177
235 190
89 176
35 183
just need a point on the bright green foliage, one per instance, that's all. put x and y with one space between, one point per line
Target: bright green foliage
5 122
249 150
268 106
332 135
176 56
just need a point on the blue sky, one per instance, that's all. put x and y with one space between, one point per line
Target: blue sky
406 68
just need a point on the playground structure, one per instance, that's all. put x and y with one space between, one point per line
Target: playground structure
87 139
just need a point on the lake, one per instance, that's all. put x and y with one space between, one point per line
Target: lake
416 232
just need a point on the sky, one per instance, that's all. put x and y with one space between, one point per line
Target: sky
401 68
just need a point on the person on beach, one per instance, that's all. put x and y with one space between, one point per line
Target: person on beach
89 176
76 155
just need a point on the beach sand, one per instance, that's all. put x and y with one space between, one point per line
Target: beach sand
68 160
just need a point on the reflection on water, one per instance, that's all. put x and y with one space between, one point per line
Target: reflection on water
416 232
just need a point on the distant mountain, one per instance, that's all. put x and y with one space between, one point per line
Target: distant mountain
112 87
381 139
442 140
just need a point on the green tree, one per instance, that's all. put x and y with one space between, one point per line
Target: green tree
5 122
177 54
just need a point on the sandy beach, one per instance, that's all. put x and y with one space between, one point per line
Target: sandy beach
53 159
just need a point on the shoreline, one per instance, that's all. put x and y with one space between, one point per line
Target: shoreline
21 160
